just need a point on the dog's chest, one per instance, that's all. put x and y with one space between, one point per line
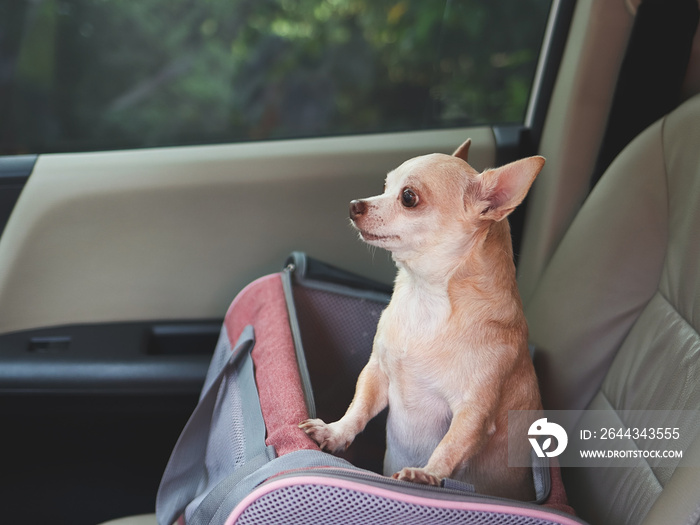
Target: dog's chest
414 316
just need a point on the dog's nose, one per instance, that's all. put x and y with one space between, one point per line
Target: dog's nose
357 208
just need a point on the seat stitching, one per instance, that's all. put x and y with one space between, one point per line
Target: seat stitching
694 518
678 313
649 467
663 156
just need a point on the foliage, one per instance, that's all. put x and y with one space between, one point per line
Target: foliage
104 74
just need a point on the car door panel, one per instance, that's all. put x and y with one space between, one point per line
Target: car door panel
174 233
14 172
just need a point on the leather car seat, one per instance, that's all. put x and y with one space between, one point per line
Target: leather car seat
616 314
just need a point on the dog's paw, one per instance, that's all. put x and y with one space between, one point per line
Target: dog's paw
417 475
327 435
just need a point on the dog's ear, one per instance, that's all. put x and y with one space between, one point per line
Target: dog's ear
502 189
463 151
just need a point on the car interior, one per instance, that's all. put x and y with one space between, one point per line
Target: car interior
117 267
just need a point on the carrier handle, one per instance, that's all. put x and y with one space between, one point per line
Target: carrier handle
186 466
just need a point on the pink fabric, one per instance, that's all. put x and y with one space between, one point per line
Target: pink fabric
384 493
557 495
262 305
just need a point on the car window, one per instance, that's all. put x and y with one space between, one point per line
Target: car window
87 75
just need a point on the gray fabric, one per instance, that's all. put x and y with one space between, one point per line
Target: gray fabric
298 346
236 441
453 484
230 492
541 477
196 461
222 354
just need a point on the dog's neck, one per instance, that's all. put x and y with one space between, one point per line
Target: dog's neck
428 293
488 274
422 305
435 268
493 253
486 255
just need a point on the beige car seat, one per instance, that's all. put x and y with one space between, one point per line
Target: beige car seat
616 313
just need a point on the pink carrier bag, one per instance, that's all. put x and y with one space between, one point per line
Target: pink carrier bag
291 347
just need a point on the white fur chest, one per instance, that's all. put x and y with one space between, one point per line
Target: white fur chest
416 316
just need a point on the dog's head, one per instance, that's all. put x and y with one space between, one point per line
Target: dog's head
436 204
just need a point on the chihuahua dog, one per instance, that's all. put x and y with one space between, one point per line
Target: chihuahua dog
450 356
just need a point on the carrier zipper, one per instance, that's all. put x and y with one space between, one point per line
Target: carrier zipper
403 487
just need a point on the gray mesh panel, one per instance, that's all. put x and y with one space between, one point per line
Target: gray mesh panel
337 335
303 504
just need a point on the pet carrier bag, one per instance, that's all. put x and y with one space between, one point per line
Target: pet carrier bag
291 347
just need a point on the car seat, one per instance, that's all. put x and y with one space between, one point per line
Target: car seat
615 317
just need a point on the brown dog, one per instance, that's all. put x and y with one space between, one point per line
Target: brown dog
450 356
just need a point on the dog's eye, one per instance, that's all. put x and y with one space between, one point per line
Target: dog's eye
409 198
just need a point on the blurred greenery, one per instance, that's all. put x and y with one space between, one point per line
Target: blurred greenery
104 74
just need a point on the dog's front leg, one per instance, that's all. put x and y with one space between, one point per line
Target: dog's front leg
371 397
467 435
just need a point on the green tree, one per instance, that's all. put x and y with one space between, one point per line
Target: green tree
166 72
